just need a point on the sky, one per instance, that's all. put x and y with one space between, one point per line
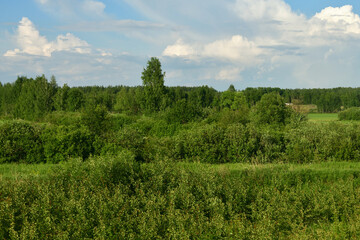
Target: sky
246 43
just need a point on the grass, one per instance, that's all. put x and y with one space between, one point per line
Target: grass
338 168
323 117
22 171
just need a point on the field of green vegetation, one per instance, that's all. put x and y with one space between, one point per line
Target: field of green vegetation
117 198
319 117
157 162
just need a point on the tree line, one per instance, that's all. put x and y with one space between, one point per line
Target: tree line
33 98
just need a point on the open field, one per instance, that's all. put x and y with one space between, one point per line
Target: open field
21 171
13 172
320 117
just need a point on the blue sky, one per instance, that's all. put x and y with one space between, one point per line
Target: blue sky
247 43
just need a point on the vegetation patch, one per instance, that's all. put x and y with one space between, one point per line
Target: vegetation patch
323 117
350 114
115 197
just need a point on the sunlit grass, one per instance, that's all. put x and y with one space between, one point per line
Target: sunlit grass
323 117
21 171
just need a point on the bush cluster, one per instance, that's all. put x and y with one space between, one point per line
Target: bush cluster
117 198
24 142
150 139
350 114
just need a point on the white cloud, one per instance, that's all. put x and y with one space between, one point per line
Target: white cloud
273 10
94 7
32 43
229 74
238 48
70 43
179 49
335 21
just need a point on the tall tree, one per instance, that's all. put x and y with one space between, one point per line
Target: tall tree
153 82
271 109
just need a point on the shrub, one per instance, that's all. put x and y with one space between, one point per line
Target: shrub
62 142
63 118
20 142
350 114
117 198
96 118
271 109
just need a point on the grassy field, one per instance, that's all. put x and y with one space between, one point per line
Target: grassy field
21 171
321 117
15 172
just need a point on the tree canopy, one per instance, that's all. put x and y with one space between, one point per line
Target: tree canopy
153 82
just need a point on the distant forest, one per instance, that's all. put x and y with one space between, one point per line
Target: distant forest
31 99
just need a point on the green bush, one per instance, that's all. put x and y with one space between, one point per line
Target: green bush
20 142
61 143
323 142
183 112
97 119
62 118
350 114
271 109
118 121
117 198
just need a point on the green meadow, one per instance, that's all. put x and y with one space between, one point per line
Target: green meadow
322 117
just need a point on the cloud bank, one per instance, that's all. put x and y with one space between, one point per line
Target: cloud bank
31 42
242 42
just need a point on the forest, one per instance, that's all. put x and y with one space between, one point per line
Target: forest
159 162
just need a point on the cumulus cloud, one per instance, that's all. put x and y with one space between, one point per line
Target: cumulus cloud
335 21
273 10
179 49
32 43
237 48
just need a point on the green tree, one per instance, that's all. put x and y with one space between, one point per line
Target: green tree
96 118
153 82
127 101
60 99
75 100
271 109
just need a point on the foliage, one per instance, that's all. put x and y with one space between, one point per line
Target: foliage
271 109
183 111
116 198
75 100
96 118
20 142
62 142
350 114
153 82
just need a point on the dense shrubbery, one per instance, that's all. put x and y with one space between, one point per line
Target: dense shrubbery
116 198
20 142
61 143
208 141
350 114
